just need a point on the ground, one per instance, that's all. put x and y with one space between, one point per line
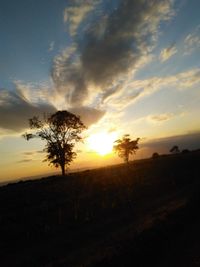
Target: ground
141 214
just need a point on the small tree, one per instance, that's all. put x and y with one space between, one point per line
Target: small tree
155 155
60 131
185 151
125 146
174 150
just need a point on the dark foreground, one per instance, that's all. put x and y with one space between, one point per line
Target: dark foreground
144 214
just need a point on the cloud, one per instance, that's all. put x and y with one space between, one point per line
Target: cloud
51 46
187 79
157 118
97 69
135 90
68 77
105 54
36 93
28 100
24 161
31 153
29 156
167 53
88 115
40 151
192 41
15 110
161 117
128 36
76 12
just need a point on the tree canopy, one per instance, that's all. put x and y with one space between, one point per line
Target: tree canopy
174 149
125 147
61 131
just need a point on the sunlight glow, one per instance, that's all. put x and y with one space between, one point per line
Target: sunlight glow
102 142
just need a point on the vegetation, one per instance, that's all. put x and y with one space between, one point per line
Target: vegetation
155 155
184 151
175 150
146 214
60 131
125 147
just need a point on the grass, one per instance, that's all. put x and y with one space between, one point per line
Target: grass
140 214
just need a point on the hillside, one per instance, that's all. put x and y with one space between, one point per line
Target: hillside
143 214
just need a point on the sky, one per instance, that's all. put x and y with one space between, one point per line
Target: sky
123 66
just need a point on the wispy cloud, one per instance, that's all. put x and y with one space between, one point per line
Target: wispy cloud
161 117
51 46
76 12
29 156
31 153
134 90
192 41
158 118
167 53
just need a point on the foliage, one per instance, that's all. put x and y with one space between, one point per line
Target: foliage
185 151
125 146
61 131
174 150
155 155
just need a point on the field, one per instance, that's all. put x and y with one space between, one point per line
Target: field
145 213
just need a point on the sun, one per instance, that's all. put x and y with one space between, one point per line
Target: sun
102 142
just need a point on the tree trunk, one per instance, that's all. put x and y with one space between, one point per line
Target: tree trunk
63 169
127 157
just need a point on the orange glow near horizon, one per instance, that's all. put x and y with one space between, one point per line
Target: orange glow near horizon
102 142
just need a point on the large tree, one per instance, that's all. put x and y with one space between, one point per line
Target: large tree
125 146
61 131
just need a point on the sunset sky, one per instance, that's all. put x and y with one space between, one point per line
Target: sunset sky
124 66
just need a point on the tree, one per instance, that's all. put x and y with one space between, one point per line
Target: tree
125 146
185 151
61 131
155 155
174 150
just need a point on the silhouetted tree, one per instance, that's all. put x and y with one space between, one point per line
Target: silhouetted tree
185 151
60 131
155 155
125 146
174 150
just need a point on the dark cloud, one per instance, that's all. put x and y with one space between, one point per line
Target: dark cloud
102 56
15 110
88 115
